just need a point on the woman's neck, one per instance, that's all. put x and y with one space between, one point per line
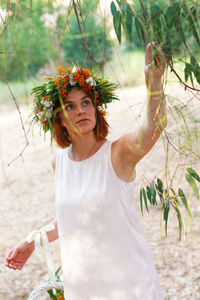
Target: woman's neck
84 146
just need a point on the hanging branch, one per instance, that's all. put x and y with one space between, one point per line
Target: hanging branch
7 52
64 29
6 23
157 24
181 81
85 45
21 120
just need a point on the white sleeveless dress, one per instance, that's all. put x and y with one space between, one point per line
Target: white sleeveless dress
103 249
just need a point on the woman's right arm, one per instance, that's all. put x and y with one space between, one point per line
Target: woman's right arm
18 255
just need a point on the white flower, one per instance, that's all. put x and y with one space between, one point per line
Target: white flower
61 277
74 70
44 118
47 103
91 81
71 80
48 113
40 114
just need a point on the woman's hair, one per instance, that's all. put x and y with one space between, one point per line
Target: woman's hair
60 133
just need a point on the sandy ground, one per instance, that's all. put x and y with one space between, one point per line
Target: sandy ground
27 201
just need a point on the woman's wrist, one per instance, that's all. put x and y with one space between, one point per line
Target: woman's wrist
30 245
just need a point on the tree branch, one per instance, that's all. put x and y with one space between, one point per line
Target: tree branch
27 142
83 39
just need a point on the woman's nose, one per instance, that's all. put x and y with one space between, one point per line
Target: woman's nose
80 109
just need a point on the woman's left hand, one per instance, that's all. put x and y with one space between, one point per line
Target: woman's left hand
155 70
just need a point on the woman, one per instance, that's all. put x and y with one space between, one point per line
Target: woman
103 250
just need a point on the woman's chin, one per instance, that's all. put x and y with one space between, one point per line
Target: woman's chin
84 127
85 130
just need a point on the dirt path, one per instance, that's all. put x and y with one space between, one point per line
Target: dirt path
27 203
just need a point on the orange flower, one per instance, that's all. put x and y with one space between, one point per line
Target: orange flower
66 78
66 83
105 106
61 69
61 297
89 87
68 70
77 76
56 81
81 81
97 95
46 98
63 93
74 79
86 73
98 102
44 122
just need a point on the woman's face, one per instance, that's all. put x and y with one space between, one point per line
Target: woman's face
79 112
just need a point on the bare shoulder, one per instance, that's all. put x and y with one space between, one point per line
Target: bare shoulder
130 148
124 147
54 163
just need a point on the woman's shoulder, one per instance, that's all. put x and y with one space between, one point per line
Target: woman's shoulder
58 154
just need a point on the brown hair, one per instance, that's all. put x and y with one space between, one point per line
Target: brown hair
60 133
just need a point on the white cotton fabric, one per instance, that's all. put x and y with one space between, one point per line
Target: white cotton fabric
103 249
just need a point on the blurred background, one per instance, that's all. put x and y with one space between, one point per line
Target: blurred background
36 37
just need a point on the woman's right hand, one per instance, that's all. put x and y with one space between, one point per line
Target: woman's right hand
18 255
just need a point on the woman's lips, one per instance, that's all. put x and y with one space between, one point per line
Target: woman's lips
82 120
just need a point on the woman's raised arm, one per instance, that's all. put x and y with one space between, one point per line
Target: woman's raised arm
132 147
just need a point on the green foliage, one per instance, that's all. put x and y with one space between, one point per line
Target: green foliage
26 8
190 179
95 38
29 41
175 26
169 198
55 294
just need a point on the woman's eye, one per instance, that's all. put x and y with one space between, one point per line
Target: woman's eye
86 102
69 106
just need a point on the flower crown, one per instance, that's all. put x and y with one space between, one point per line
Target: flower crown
56 89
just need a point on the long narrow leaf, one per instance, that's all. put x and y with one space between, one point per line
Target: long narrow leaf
153 193
160 187
117 20
113 10
180 222
128 23
140 30
184 200
166 214
118 26
193 173
145 199
56 273
141 203
148 191
192 183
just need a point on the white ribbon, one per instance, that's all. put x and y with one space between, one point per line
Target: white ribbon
42 247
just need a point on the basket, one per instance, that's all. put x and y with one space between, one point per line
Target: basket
45 286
